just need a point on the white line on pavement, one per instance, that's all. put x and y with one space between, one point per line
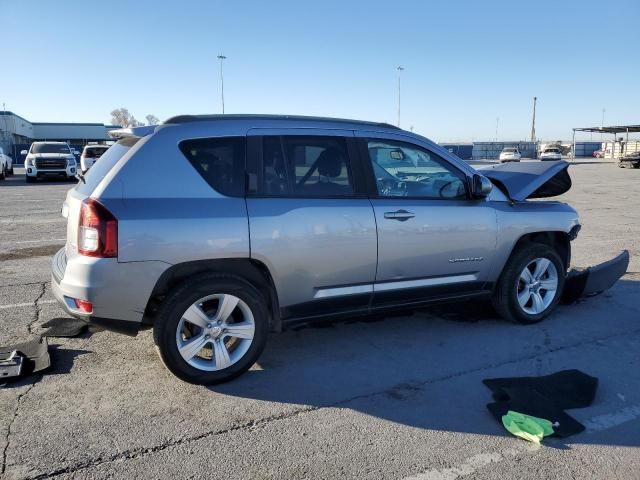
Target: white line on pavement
41 241
25 304
475 462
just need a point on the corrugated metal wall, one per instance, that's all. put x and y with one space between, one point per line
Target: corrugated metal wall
586 149
491 150
462 150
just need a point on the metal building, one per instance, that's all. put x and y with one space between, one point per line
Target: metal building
17 133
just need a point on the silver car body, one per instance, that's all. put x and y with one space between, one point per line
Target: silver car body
321 256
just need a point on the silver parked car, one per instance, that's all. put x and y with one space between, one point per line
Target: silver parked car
215 230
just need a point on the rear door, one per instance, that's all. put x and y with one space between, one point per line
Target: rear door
433 240
310 220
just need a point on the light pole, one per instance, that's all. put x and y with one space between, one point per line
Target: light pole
602 124
400 69
222 58
533 122
497 123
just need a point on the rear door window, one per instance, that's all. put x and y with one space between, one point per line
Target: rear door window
306 166
219 161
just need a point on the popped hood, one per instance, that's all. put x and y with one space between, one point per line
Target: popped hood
520 181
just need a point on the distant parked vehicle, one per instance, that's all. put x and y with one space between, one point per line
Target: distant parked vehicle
630 160
598 154
551 153
6 165
49 159
510 154
90 155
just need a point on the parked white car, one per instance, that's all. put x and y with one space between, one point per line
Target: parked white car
6 165
90 154
510 154
46 159
551 153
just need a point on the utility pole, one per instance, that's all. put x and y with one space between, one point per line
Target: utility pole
222 58
497 123
400 69
602 124
533 122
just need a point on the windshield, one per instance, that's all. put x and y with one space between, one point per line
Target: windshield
108 159
50 148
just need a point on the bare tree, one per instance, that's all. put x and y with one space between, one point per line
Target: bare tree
122 117
152 119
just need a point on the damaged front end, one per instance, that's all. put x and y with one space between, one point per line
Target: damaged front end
594 280
522 181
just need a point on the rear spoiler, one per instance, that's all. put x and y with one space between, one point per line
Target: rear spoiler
132 132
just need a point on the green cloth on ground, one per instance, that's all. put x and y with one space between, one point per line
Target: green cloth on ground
527 427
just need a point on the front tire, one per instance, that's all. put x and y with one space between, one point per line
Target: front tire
211 329
30 179
530 285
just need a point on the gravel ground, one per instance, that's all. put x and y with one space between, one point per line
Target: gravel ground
396 398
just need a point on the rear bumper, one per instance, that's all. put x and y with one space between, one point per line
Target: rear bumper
119 292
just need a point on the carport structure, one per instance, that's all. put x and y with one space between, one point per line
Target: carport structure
615 130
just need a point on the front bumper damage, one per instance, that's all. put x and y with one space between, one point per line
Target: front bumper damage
594 280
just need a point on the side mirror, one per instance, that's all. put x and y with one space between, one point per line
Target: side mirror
23 152
481 186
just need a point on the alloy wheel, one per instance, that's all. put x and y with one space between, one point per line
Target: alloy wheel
537 286
215 332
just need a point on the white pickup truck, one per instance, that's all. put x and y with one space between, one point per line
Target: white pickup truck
6 165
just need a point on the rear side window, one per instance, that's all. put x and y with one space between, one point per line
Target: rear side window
94 152
100 169
305 166
219 161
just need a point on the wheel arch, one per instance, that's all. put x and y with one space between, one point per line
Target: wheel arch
249 270
558 240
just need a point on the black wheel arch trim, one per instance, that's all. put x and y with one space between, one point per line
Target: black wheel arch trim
250 270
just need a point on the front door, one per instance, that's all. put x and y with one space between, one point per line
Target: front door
433 239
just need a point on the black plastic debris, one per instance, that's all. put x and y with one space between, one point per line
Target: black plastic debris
544 397
11 367
34 354
594 280
64 327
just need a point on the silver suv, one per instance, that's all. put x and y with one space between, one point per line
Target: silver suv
215 230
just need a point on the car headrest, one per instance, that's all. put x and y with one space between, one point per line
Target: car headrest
330 162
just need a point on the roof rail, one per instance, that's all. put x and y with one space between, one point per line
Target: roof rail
215 117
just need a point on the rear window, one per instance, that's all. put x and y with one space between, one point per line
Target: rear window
108 159
219 161
94 152
509 150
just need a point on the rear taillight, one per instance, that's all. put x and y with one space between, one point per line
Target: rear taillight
97 231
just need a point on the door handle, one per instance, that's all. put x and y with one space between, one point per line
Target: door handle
400 215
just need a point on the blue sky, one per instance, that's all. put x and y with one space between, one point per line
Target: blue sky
466 62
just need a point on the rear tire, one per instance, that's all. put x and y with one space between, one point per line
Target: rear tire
520 295
30 179
180 329
2 173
